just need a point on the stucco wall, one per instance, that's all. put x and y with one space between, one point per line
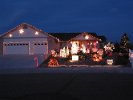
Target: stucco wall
53 44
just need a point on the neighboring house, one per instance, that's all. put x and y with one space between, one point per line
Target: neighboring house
27 39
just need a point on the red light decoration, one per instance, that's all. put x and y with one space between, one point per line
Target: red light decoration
53 63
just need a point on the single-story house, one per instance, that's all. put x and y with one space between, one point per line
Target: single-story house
29 40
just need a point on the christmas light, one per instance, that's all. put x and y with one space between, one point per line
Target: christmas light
86 37
21 31
10 35
36 33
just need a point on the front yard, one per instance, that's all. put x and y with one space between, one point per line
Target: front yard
87 59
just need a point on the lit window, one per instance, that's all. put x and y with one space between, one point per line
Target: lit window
36 33
21 31
10 35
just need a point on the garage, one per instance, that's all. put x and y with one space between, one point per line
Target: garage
40 48
15 48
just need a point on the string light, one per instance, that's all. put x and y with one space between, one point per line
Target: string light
21 31
36 33
10 35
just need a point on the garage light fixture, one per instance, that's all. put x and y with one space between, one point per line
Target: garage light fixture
36 33
10 35
21 31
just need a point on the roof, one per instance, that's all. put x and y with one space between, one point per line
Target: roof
68 36
25 25
103 38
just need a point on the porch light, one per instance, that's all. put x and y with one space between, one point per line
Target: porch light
10 35
21 31
36 33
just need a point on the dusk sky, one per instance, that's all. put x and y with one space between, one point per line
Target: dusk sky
104 17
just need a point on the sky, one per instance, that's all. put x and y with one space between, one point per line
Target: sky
111 18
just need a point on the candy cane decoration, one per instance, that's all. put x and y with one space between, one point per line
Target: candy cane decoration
36 61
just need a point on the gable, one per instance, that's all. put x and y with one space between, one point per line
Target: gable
24 31
85 36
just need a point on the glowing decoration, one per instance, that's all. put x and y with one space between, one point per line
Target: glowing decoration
94 49
75 57
21 31
100 52
10 35
36 33
109 47
74 48
96 41
53 63
109 61
96 57
67 51
86 37
83 49
63 52
53 53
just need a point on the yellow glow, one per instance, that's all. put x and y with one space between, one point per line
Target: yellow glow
36 33
21 31
10 35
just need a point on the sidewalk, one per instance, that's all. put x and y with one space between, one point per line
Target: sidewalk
66 70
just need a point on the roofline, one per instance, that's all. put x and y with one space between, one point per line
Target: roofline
84 33
13 29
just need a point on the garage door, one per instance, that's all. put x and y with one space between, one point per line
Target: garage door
16 48
40 47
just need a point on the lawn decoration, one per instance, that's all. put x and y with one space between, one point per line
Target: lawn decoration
53 62
96 57
64 52
109 61
109 47
53 53
75 57
74 48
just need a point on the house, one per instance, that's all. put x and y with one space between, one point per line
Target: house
84 41
27 39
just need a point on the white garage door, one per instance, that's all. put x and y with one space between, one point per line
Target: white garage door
40 47
16 48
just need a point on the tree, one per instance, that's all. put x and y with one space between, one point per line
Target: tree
124 41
